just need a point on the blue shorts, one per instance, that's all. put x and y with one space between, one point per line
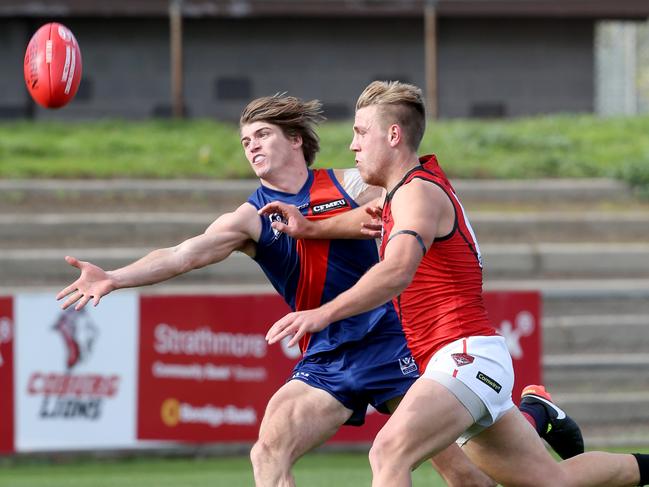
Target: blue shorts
371 371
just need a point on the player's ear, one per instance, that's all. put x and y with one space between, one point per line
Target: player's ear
394 134
296 140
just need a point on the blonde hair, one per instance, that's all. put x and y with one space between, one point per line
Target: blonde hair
292 115
400 103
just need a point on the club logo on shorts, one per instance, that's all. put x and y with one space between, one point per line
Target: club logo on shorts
408 365
489 381
462 359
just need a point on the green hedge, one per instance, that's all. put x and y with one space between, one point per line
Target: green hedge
558 146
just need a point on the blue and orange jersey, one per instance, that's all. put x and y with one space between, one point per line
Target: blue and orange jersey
309 273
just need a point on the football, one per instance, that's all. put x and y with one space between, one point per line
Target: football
52 66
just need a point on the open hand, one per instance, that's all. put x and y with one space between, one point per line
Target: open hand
298 324
93 283
373 228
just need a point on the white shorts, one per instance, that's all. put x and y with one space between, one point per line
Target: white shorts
479 372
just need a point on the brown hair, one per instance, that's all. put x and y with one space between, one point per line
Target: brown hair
400 103
292 115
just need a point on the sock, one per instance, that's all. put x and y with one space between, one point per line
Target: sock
643 465
536 415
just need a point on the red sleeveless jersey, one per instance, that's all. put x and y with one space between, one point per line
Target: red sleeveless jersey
443 303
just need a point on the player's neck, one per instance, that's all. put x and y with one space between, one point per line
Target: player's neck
399 169
288 180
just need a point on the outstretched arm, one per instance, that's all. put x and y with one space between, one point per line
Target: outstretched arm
418 207
229 232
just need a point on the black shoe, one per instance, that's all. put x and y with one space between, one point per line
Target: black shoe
561 433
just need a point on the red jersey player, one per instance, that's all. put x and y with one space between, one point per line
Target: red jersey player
431 266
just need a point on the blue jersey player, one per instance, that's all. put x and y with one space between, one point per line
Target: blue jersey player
354 362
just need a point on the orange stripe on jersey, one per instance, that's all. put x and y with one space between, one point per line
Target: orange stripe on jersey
325 200
314 255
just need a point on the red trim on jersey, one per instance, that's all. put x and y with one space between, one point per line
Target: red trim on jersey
314 254
455 373
325 198
314 257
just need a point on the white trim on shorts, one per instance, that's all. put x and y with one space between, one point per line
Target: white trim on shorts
481 376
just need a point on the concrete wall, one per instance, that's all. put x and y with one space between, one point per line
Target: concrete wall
526 67
486 67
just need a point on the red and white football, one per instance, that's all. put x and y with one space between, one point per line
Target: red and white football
53 66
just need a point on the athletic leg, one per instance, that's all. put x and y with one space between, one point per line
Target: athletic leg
429 419
458 470
512 453
453 465
297 419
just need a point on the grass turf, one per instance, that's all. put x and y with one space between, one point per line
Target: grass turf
314 470
550 146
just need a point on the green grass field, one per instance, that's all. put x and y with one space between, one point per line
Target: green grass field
314 470
552 146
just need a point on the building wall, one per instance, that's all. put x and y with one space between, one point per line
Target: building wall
14 100
486 67
522 67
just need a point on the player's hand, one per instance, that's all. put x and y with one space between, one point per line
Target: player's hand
373 228
94 283
298 324
292 222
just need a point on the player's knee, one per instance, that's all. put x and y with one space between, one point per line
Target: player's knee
268 450
385 449
263 453
257 454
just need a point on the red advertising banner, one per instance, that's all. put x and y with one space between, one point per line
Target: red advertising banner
206 372
517 317
6 375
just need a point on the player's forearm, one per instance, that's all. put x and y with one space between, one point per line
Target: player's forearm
344 226
378 286
157 266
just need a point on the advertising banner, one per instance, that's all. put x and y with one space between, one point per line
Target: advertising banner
75 373
6 375
206 372
517 317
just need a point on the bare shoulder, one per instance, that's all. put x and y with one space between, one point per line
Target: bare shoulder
353 184
244 220
424 207
419 192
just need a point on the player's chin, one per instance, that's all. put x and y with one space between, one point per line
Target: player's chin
261 170
368 177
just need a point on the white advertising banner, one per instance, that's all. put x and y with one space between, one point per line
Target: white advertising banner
75 373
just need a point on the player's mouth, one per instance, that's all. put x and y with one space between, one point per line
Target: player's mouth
258 159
